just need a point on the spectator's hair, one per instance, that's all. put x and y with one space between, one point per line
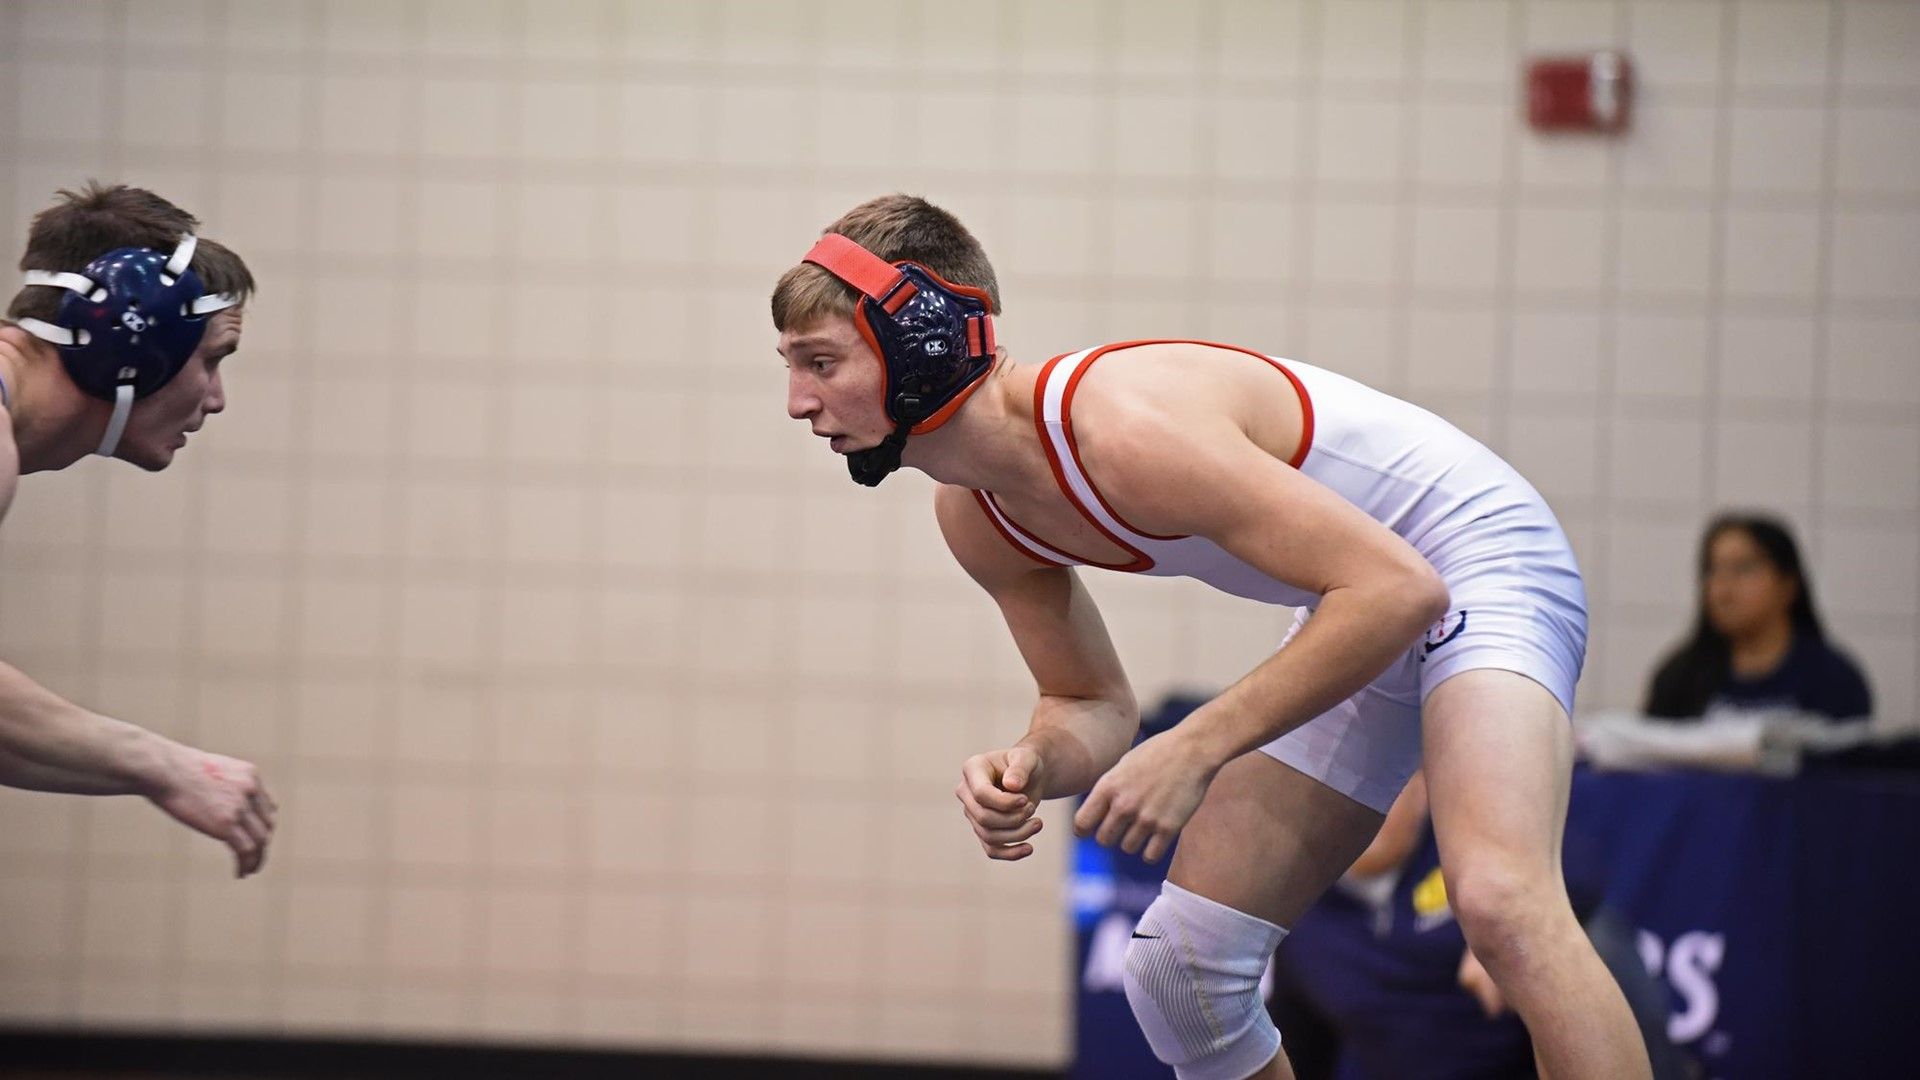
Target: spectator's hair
1689 677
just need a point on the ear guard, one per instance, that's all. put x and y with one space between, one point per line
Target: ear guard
127 325
934 339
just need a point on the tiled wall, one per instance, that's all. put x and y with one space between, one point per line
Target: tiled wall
601 706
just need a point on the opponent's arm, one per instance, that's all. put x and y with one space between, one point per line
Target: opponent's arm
50 744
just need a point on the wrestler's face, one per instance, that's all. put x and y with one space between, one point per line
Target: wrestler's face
1745 591
159 423
834 383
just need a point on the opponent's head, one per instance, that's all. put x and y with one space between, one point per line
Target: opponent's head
886 327
139 310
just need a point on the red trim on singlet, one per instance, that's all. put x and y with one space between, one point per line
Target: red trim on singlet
1141 561
1306 409
1012 541
1299 388
1073 444
1003 521
1073 383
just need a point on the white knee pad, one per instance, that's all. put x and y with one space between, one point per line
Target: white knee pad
1193 979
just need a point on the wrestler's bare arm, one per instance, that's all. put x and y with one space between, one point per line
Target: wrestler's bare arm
1180 467
50 744
1085 717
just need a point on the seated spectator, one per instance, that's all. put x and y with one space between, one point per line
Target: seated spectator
1757 642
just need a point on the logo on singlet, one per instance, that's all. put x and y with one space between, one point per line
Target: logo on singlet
1442 632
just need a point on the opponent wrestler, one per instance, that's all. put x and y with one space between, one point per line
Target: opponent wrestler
114 347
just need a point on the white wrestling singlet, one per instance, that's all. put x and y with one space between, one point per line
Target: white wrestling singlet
1517 599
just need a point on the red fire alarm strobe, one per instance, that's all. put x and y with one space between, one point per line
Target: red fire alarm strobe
1593 92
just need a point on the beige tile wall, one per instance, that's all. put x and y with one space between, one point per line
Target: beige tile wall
602 707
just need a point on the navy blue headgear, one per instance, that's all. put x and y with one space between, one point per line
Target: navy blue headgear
128 323
934 339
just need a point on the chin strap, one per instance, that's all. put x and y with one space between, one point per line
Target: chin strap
122 405
869 467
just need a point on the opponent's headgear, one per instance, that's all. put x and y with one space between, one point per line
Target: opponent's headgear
128 323
934 339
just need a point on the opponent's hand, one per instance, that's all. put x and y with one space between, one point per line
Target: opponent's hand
1475 980
1144 801
995 792
221 797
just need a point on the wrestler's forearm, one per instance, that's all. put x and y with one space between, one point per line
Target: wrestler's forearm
50 744
18 772
1354 635
1078 739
